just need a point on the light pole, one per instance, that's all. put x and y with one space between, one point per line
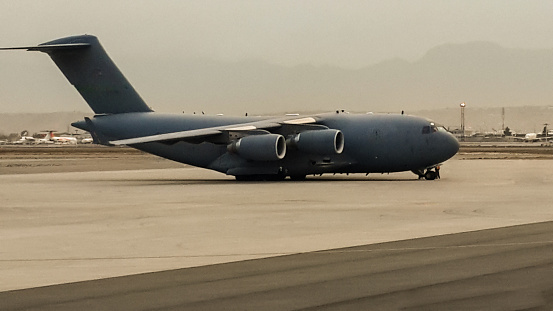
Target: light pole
463 121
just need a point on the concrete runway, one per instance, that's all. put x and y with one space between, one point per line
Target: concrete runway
497 269
66 227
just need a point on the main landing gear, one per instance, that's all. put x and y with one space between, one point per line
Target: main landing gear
268 177
430 174
261 177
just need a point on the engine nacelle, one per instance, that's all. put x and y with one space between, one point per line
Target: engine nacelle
265 147
324 142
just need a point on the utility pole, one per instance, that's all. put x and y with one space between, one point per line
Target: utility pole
503 119
463 121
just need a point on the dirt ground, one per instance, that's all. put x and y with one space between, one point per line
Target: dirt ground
80 158
84 158
533 151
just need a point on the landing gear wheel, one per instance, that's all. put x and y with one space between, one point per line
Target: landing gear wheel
261 177
430 175
249 177
242 177
274 177
297 177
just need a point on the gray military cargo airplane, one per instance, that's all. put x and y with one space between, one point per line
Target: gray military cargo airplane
249 148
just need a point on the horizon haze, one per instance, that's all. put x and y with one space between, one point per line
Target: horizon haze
266 57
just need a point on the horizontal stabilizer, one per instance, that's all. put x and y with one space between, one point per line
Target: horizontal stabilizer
97 137
50 47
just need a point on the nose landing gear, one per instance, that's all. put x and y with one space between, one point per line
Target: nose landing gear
430 174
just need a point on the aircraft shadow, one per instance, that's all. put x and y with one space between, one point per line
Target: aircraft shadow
199 181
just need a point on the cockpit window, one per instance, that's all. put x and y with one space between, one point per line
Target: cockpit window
427 129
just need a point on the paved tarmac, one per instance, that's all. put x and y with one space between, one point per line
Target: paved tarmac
498 269
67 227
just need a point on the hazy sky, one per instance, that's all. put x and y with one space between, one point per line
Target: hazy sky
349 33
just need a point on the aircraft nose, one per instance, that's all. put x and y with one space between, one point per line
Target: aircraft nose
449 146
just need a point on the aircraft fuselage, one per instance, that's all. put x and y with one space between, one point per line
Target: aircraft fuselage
373 143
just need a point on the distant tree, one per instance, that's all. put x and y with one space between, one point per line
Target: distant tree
507 131
13 136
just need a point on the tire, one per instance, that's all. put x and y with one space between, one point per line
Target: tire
297 177
430 175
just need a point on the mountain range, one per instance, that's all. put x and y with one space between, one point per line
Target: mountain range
482 74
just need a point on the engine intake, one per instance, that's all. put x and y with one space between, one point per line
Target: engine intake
324 142
266 147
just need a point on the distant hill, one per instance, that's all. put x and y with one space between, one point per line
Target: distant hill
482 74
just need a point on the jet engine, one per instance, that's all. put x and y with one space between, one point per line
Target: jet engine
325 142
266 147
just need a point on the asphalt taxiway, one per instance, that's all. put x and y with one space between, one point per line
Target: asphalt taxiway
57 228
496 269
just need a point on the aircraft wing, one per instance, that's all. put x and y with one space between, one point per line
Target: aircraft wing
211 131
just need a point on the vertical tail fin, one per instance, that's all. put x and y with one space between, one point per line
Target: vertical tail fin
86 65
